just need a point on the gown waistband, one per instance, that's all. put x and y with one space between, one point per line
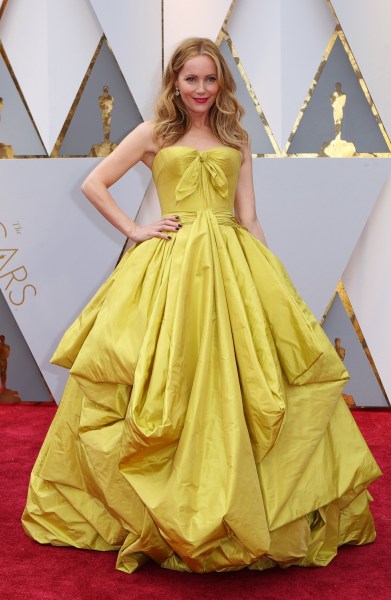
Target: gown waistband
223 217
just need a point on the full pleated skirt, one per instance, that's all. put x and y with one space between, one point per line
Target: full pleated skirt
202 425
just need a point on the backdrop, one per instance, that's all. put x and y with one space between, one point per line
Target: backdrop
314 77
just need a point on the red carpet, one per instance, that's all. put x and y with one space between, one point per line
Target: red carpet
34 572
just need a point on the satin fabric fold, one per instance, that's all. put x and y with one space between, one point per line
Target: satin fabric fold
191 178
202 425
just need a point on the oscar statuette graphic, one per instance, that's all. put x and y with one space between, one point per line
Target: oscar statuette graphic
338 147
342 353
106 103
6 150
6 395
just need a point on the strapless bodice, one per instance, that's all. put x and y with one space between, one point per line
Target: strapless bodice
191 180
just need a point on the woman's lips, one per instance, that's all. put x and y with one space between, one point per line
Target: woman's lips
200 100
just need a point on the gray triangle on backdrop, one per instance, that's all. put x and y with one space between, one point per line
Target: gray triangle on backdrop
252 123
363 386
86 127
17 130
20 377
359 125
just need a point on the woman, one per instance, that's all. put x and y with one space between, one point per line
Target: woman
202 425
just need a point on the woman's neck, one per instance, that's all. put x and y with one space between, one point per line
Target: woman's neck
199 122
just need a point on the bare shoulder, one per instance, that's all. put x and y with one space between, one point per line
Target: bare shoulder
145 130
143 136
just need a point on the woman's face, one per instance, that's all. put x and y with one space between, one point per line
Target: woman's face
197 83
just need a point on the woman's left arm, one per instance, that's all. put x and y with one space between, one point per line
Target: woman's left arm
245 209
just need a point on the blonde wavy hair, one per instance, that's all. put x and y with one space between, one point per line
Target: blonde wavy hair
172 120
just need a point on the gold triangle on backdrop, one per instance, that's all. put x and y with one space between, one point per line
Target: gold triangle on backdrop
225 23
89 129
338 34
67 122
2 8
18 89
347 305
360 77
225 37
310 93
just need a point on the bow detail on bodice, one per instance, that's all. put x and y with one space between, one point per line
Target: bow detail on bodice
191 178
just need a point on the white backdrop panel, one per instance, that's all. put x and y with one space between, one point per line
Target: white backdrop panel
367 280
65 246
281 45
254 27
23 27
49 45
184 19
313 214
134 32
367 28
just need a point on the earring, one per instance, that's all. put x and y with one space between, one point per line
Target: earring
177 92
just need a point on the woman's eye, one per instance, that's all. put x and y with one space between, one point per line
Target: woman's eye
190 79
212 78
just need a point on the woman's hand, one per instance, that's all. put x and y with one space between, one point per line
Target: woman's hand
159 229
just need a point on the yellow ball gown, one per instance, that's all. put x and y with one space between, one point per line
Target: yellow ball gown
202 424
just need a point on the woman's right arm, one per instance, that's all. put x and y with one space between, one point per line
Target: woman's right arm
137 146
